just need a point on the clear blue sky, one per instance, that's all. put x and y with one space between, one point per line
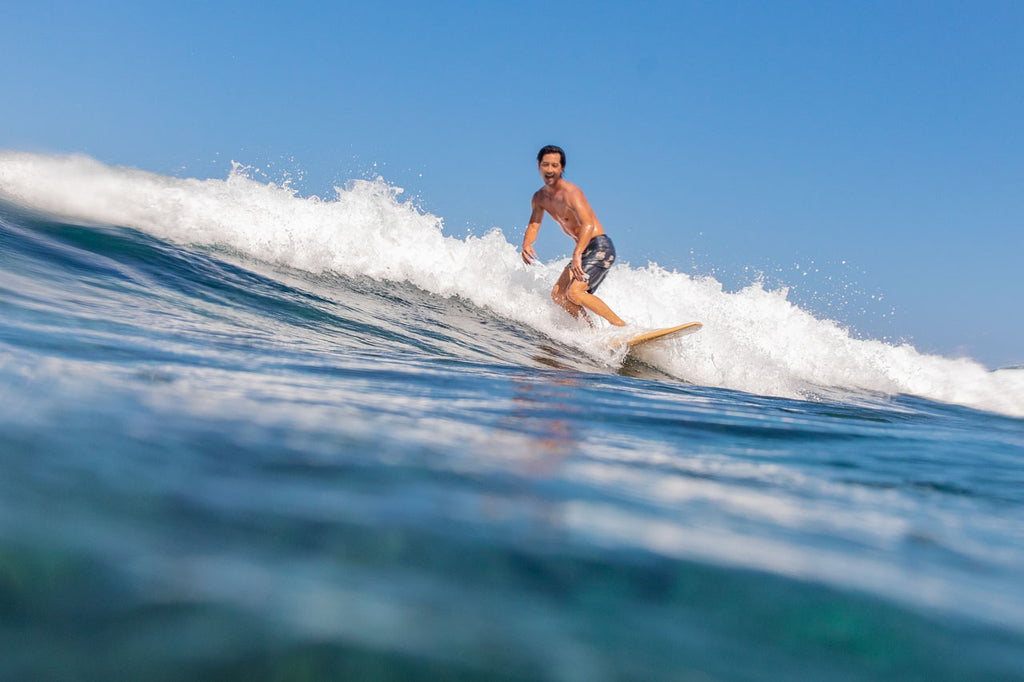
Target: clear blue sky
711 135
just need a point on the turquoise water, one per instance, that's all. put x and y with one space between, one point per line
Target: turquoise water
221 463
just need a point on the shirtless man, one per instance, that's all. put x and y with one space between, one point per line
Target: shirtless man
594 253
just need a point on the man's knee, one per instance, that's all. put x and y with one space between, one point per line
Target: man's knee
561 293
576 289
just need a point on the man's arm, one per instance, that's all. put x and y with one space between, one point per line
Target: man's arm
536 215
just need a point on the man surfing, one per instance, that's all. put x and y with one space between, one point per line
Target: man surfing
594 252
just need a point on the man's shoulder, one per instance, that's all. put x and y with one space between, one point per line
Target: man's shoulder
572 192
542 197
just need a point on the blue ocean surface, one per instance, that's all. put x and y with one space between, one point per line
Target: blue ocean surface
251 435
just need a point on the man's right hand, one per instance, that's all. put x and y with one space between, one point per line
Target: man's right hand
528 254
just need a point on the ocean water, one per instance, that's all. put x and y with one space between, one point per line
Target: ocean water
252 435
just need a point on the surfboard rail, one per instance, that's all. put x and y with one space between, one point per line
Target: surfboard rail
665 333
662 334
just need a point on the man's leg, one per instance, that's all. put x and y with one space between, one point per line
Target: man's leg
560 294
577 294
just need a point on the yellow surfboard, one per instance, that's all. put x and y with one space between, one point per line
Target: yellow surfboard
661 334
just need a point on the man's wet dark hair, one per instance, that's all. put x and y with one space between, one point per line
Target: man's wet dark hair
551 149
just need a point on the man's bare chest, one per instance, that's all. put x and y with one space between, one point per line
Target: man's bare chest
559 209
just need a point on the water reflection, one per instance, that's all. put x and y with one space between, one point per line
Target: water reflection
535 438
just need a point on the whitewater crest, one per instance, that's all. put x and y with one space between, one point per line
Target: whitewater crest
753 340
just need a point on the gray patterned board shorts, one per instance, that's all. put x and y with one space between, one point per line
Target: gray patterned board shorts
597 260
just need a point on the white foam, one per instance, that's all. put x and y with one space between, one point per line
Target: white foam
753 340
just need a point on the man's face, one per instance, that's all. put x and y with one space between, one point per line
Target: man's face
550 168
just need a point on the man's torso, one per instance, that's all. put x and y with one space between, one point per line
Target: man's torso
557 204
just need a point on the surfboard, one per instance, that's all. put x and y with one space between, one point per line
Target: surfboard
659 335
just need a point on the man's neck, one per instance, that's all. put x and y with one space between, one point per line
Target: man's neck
555 186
